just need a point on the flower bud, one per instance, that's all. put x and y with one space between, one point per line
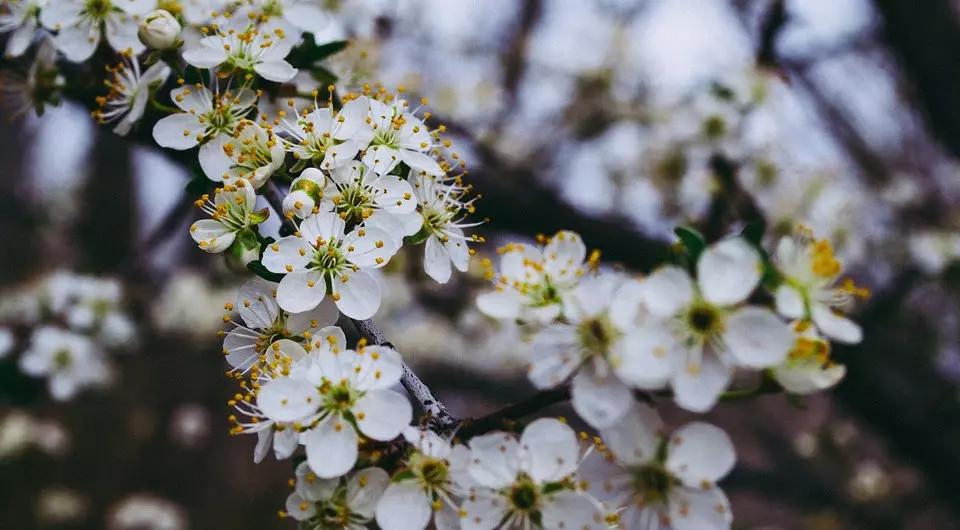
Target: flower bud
159 30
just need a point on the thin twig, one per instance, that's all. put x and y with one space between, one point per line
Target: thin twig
504 417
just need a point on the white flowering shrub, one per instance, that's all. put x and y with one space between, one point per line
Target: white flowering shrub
356 175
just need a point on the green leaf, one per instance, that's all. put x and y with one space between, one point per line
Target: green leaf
406 474
692 240
326 50
257 268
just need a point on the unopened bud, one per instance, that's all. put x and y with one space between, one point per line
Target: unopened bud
159 30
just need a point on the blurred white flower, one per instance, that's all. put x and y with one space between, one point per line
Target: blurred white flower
79 24
7 342
69 361
190 425
144 511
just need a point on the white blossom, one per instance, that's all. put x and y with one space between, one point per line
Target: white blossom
304 15
340 503
398 136
208 118
441 207
711 330
255 153
321 259
264 323
326 137
253 50
231 215
588 346
129 93
656 482
19 18
435 475
810 289
68 360
520 483
331 394
535 283
79 24
808 367
357 194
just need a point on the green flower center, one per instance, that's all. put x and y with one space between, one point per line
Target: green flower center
62 359
387 138
714 127
328 258
524 496
597 335
434 472
704 319
97 9
354 204
652 483
338 398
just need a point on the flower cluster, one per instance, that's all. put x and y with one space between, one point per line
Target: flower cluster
66 322
611 335
355 176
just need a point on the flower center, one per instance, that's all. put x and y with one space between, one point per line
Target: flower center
97 9
387 138
62 359
652 483
823 263
354 204
714 127
328 258
524 496
596 335
704 319
434 472
338 398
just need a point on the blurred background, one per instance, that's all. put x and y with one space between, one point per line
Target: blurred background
615 118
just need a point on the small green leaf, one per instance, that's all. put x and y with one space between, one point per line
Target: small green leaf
326 50
406 474
692 240
257 268
419 237
259 216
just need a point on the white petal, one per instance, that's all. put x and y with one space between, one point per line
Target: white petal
554 355
177 131
324 225
380 367
404 506
240 348
206 55
808 379
627 305
551 449
383 414
834 326
667 290
276 71
484 510
360 295
570 509
312 488
373 244
364 490
564 255
257 304
57 14
436 261
599 398
700 454
291 251
635 438
121 32
395 195
287 399
325 314
295 294
21 38
78 42
420 162
285 442
728 271
757 338
789 302
607 480
264 441
698 390
493 460
212 236
648 356
299 508
214 162
331 448
307 17
192 99
505 304
697 509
